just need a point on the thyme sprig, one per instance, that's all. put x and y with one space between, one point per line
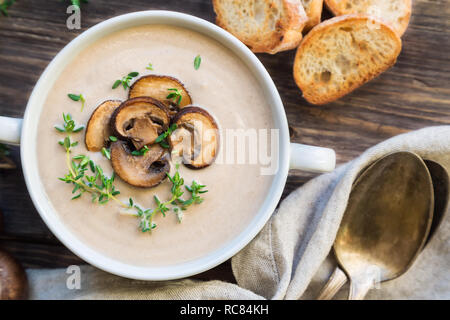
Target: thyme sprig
86 177
175 203
97 184
140 152
163 136
78 97
175 95
125 81
69 126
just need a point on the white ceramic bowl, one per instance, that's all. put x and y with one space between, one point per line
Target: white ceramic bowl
25 132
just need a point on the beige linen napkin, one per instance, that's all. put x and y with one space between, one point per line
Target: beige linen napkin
289 259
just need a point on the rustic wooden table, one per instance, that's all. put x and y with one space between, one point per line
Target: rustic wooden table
414 94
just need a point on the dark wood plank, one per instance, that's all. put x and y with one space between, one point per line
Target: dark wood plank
39 253
415 93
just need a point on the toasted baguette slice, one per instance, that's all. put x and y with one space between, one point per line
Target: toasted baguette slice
394 12
263 25
313 9
340 54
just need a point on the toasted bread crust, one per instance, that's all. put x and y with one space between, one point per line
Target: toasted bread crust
314 12
399 24
318 93
287 32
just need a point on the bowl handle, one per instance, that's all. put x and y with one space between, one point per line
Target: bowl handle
10 129
312 159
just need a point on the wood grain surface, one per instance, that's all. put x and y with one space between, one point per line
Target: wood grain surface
414 94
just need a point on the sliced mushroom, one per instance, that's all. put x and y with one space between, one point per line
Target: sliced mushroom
196 138
98 129
157 87
13 279
146 171
140 120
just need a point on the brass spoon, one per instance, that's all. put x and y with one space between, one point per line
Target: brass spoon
441 187
386 223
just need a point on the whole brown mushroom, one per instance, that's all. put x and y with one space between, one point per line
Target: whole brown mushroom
13 280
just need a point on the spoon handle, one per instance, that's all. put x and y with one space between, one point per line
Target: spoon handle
360 287
334 284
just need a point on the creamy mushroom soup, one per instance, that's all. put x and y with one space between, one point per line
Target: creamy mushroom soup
222 84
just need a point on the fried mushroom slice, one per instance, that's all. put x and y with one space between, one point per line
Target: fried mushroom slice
157 86
98 129
140 120
196 138
143 171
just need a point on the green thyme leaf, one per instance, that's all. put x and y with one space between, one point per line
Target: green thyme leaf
74 97
197 62
160 139
77 97
67 142
116 84
4 6
140 152
125 80
175 95
77 3
164 145
106 153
